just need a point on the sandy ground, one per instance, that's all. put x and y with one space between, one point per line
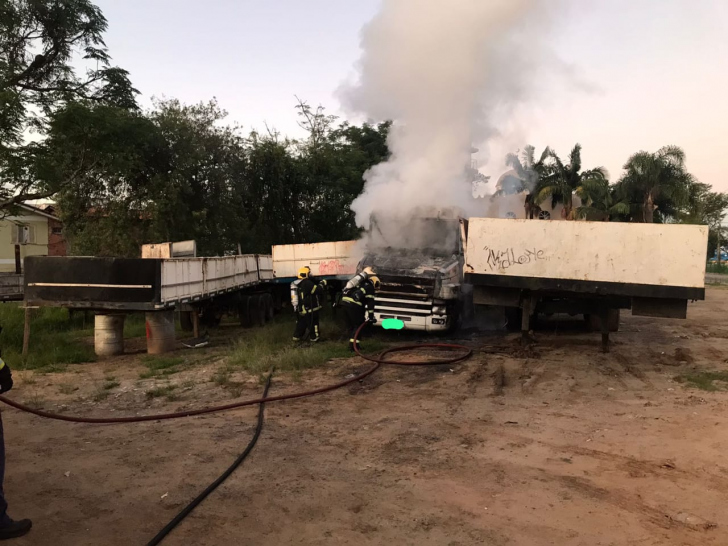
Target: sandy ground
574 448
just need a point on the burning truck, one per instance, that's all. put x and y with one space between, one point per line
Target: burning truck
419 260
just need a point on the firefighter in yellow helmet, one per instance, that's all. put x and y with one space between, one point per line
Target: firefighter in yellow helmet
358 305
307 295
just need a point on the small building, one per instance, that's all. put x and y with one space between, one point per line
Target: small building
35 231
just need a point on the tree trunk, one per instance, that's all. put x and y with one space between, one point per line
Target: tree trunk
649 210
718 252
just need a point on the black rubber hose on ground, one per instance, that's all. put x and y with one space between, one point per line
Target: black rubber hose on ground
466 352
159 537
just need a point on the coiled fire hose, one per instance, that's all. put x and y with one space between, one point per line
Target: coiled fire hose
378 360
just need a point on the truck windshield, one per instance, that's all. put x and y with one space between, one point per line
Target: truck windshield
435 236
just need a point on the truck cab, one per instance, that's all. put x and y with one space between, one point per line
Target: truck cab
419 261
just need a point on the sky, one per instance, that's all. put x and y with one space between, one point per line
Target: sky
633 74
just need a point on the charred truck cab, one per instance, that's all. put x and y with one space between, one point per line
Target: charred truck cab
419 260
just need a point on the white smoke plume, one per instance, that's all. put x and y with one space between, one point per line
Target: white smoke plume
449 73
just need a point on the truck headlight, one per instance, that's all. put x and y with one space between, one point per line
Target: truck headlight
439 310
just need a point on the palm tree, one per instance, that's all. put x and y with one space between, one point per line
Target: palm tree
599 201
526 171
656 181
561 180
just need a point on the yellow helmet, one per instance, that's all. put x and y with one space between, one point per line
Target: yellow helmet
368 270
304 272
375 281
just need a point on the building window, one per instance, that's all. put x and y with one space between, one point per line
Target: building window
57 231
544 215
23 234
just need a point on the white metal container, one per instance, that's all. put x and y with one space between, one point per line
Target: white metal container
325 259
109 335
648 254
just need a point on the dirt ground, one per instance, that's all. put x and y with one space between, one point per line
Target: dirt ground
560 445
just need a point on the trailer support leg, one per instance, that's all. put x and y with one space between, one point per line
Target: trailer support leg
196 323
527 309
604 321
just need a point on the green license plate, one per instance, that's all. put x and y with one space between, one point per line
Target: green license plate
392 324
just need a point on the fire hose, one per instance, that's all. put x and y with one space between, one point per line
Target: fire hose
465 353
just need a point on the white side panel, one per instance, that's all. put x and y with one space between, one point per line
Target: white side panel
265 266
654 254
324 259
182 279
195 278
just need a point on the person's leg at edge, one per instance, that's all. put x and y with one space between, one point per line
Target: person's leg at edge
8 527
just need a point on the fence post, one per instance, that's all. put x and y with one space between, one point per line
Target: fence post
26 331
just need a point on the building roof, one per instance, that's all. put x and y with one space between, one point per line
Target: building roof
46 210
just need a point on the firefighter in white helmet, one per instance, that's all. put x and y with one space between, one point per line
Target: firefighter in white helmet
358 278
358 304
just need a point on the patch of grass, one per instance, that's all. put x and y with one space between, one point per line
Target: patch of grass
135 325
101 395
221 377
713 268
54 338
262 348
110 385
165 390
35 401
67 388
155 363
160 365
704 380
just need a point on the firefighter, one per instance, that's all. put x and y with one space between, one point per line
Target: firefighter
358 304
9 528
306 296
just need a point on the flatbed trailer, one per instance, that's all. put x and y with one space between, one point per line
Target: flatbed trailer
591 268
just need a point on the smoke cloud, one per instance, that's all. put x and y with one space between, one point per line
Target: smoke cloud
449 74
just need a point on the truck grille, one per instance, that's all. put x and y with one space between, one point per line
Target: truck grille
400 307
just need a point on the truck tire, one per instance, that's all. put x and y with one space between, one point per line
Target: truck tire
257 310
594 324
244 311
269 307
185 321
277 301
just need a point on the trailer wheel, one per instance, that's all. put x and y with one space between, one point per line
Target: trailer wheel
185 321
257 310
277 301
594 324
269 308
244 311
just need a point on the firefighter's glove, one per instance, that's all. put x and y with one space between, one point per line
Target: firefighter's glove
6 378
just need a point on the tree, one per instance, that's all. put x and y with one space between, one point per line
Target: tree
599 201
656 182
528 171
178 172
706 207
560 180
38 42
111 162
